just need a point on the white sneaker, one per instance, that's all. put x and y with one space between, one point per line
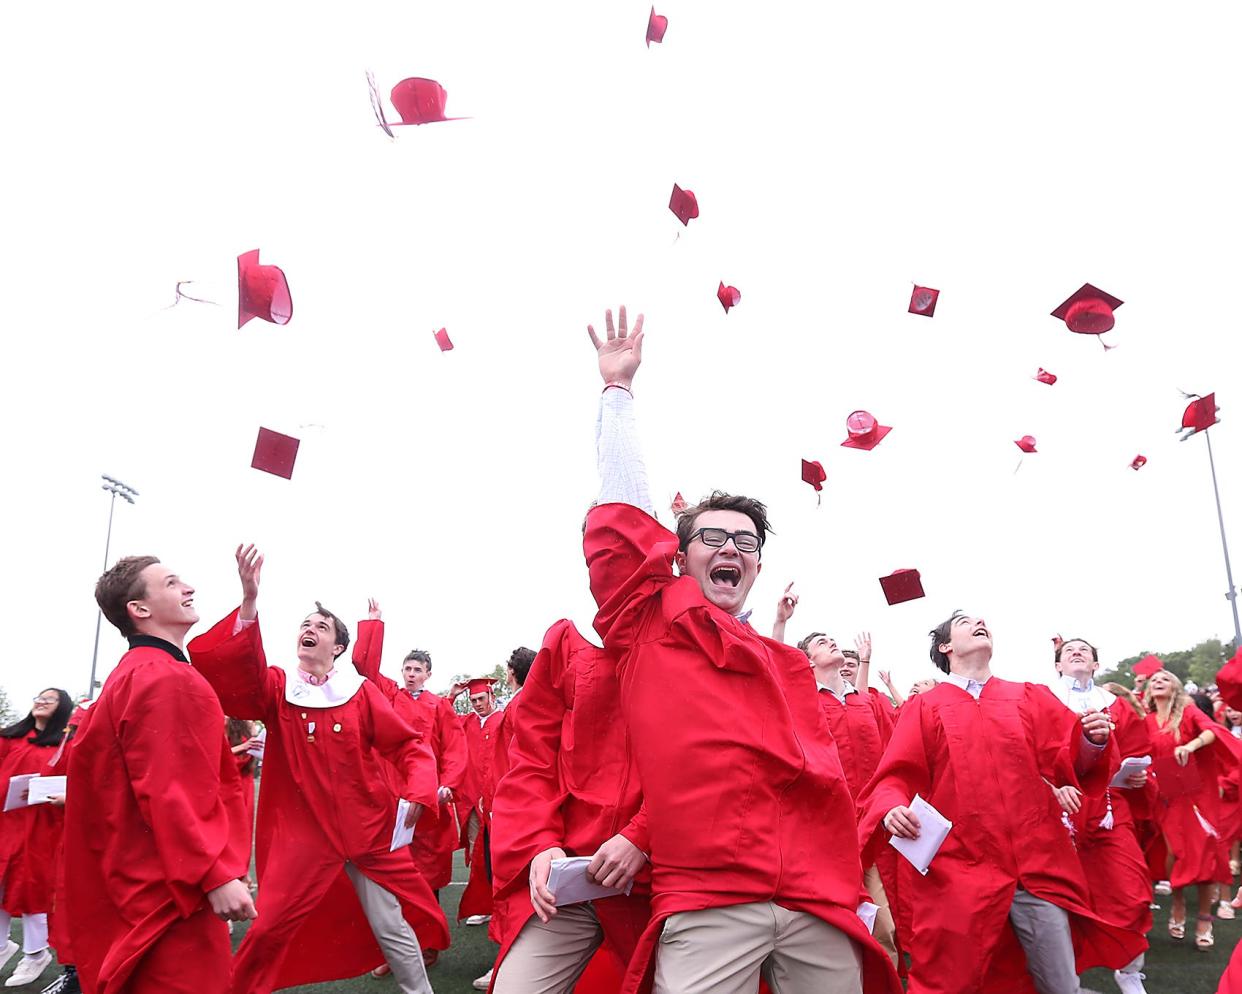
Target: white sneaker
1164 888
30 968
6 954
1130 983
1225 912
479 920
485 981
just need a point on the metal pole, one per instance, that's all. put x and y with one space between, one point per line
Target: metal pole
90 688
1232 596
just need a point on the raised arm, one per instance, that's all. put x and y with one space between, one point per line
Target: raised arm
862 644
897 696
784 611
369 650
623 477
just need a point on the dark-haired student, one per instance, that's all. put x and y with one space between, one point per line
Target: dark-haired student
151 875
745 796
1004 904
332 894
26 883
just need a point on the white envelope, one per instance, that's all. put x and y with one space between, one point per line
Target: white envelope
41 788
401 836
933 829
568 880
1129 765
867 912
17 786
255 748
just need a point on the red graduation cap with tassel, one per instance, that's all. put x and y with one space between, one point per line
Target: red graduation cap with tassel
275 453
420 101
443 340
1200 415
1026 443
684 204
262 291
1089 311
902 585
813 473
1148 665
1138 462
864 431
657 24
679 504
729 296
923 301
1045 377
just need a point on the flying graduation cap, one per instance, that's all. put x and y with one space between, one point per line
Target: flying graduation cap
864 431
902 585
684 204
1045 377
657 24
729 296
1138 462
1026 443
923 301
443 340
275 453
679 504
1199 415
262 291
417 100
813 473
1148 665
1088 311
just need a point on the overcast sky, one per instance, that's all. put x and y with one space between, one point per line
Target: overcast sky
1002 154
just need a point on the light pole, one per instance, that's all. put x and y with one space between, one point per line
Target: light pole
117 489
1198 418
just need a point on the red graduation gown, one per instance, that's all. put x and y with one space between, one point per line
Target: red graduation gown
432 717
572 784
745 796
1198 856
147 831
481 734
324 802
1229 682
982 764
28 836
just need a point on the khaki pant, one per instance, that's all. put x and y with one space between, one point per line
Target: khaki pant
548 958
1044 931
393 933
725 950
885 930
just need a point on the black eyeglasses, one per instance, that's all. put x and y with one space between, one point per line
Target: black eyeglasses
715 538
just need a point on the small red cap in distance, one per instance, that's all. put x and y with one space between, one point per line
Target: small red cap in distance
923 301
813 473
1200 413
479 684
1138 462
684 204
728 296
262 291
1088 310
419 101
657 24
443 340
1046 377
1026 443
902 585
679 504
864 431
275 453
1148 665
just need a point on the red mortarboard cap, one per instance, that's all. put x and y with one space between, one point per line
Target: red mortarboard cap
902 585
813 473
683 204
1138 462
420 101
657 24
1026 443
479 684
262 291
1147 666
923 301
864 431
679 503
1200 414
1046 377
275 453
728 296
1088 311
443 340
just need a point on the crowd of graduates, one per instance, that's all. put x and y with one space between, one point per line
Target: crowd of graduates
691 807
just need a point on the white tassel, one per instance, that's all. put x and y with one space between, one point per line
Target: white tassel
1106 823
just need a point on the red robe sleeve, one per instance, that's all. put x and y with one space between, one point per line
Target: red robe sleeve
393 739
369 652
902 773
236 668
170 734
630 559
1229 681
636 831
451 754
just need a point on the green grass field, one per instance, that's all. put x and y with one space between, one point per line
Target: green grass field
1172 967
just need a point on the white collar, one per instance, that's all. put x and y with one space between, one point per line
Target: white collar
849 689
965 682
1076 697
340 687
744 617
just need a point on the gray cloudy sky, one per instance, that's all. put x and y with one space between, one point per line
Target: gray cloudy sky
1002 154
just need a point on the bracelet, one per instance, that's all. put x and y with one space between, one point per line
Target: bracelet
619 386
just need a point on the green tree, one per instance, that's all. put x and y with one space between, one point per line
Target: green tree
1199 664
7 714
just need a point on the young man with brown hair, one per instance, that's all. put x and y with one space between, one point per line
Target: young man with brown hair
326 812
151 877
745 796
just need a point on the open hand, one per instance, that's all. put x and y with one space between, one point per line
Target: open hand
621 353
785 606
373 609
249 566
862 643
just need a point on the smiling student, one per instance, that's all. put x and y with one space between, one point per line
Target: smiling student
746 800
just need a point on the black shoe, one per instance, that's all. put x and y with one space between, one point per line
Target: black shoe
66 983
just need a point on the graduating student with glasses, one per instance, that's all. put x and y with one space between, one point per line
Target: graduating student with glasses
746 800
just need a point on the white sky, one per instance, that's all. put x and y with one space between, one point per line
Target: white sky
1004 155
